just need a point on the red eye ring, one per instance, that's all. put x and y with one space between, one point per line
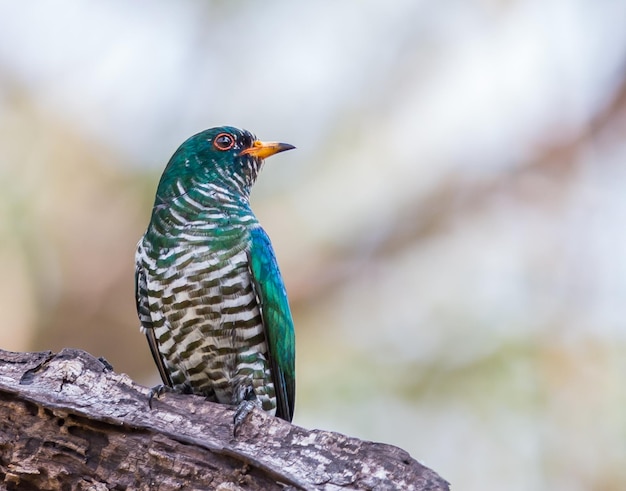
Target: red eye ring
224 141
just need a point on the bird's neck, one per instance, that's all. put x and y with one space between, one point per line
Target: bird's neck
199 212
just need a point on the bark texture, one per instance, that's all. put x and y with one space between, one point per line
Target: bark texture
68 422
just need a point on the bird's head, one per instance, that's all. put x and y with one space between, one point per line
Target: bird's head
225 156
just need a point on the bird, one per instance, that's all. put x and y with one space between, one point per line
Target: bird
209 293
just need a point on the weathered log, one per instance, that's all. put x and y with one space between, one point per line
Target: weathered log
69 422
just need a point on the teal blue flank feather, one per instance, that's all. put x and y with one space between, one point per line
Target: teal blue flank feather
276 313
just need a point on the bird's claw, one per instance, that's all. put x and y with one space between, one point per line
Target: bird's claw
106 366
243 411
159 390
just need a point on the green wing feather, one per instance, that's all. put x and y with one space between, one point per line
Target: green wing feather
277 320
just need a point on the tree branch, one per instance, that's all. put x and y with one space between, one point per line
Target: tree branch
70 422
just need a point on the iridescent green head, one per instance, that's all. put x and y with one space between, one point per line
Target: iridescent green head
228 157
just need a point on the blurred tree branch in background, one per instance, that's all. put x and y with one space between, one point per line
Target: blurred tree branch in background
429 215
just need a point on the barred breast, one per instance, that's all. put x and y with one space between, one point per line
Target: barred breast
207 322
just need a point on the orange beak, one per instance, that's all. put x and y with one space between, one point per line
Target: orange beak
263 150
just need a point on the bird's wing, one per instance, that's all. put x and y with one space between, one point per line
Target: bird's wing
277 320
143 311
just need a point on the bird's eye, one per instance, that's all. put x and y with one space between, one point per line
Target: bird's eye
224 142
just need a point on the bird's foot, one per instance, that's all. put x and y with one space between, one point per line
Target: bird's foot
244 409
106 366
158 390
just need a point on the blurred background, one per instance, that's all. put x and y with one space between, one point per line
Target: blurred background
450 229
